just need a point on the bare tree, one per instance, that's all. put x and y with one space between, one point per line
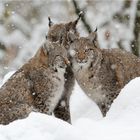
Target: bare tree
136 41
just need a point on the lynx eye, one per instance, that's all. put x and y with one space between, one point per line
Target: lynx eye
88 49
59 62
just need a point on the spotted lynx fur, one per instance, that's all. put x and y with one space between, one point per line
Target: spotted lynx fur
37 86
102 73
60 33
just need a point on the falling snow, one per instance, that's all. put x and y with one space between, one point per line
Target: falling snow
23 26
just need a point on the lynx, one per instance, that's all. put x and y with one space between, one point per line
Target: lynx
60 33
37 86
102 73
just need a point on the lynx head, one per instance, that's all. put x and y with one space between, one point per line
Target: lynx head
84 51
49 55
59 32
60 63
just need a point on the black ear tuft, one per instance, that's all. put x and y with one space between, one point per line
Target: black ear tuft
95 30
50 22
74 23
80 15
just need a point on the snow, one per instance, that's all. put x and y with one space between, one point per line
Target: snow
127 103
121 123
7 76
83 107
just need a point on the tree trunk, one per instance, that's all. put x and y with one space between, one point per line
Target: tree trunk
136 42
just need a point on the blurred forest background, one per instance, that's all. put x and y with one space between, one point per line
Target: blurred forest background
24 24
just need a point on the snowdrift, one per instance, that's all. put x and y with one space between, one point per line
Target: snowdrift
121 123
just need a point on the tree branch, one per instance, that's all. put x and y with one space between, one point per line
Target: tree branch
77 11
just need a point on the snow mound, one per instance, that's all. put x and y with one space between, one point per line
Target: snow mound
39 126
121 123
7 76
127 104
81 106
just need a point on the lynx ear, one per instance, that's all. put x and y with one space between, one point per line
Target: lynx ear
42 55
73 34
93 38
50 22
72 25
42 52
79 17
45 51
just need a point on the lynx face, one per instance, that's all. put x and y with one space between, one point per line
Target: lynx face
55 55
83 52
59 32
60 63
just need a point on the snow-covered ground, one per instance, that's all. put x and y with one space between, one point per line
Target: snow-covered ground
121 123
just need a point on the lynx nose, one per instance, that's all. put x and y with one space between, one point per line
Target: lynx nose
81 57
